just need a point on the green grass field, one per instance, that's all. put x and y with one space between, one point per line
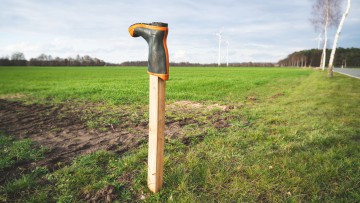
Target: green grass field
291 135
130 85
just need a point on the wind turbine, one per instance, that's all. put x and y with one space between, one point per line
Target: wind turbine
319 39
219 34
227 53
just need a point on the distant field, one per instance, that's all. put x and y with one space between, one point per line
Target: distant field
122 85
79 134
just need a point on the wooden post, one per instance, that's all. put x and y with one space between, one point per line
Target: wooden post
156 133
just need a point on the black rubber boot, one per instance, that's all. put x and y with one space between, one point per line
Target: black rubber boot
155 35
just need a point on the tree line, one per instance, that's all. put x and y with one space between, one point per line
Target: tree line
18 59
189 64
344 57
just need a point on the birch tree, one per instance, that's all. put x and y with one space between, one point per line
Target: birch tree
338 32
325 14
326 23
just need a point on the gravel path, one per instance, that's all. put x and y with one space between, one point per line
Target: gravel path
352 72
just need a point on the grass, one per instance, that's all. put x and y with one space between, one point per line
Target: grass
293 137
121 86
12 152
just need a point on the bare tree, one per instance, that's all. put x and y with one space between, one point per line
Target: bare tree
323 56
17 56
325 14
42 57
331 61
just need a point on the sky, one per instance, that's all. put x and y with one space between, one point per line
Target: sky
257 30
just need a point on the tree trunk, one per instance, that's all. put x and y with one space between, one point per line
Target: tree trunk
323 58
338 32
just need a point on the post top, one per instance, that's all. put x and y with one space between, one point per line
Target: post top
160 24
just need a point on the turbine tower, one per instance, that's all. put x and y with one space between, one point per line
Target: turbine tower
219 34
227 53
319 40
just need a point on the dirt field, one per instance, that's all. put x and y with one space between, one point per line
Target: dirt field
63 130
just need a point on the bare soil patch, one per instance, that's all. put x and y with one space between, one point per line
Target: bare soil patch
107 194
275 96
12 96
195 105
251 98
63 130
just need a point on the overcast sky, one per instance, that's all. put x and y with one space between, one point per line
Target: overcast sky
257 30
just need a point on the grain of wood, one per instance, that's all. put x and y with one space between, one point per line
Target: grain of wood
156 133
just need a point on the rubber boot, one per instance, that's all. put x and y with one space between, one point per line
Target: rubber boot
155 35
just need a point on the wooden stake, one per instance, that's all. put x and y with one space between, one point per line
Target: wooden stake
156 133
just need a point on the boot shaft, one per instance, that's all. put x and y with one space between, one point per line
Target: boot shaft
155 35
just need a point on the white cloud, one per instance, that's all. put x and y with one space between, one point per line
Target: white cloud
257 30
179 56
23 47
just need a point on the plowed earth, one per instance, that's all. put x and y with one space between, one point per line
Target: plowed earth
62 129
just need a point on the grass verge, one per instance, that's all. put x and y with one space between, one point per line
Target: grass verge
293 136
